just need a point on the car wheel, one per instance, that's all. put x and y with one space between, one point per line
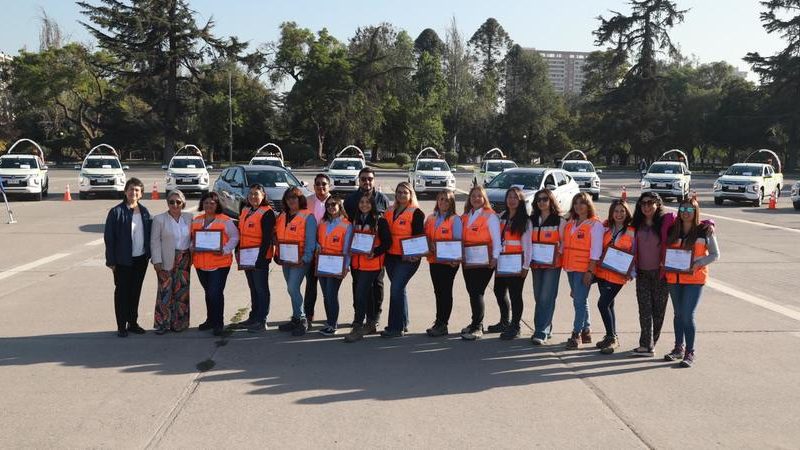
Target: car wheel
760 199
83 195
595 197
474 182
778 191
718 201
797 206
37 196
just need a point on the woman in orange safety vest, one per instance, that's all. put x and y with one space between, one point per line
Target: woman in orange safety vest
333 238
443 225
548 228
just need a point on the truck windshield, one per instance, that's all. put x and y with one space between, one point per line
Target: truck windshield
344 164
433 165
745 170
666 168
18 163
187 163
101 163
499 166
578 167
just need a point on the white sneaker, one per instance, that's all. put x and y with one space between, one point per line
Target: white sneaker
537 341
472 333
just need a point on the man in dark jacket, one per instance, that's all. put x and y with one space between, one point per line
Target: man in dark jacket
366 186
127 238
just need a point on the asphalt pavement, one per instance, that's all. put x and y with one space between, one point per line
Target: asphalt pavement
66 380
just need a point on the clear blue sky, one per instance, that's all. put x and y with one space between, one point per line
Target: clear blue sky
714 29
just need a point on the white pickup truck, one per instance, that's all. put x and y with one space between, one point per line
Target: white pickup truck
747 182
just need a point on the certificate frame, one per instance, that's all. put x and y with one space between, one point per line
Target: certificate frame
445 260
555 254
475 266
359 252
611 269
289 263
416 255
238 264
675 270
340 274
206 250
522 271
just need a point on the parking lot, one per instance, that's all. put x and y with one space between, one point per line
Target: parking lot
67 381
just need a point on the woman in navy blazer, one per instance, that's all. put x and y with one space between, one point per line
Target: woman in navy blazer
127 238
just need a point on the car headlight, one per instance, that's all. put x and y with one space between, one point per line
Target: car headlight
596 182
84 181
717 186
419 179
451 181
753 187
34 180
677 184
645 184
120 180
204 179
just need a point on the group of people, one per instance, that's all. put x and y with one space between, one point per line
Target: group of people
323 226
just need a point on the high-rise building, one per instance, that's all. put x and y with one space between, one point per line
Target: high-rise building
565 69
5 58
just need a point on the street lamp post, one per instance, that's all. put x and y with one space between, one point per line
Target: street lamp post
230 119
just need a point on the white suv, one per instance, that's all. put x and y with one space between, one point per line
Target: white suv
750 182
796 195
431 175
344 173
22 173
101 174
188 173
584 173
669 179
490 168
269 158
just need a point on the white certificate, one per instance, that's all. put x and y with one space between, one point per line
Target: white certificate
208 241
544 254
289 253
509 264
678 260
448 250
330 265
617 261
248 257
476 255
362 243
415 246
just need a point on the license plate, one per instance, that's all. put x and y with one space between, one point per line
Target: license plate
437 183
186 180
587 184
741 189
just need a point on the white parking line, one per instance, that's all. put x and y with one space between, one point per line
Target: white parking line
749 222
94 242
31 265
758 301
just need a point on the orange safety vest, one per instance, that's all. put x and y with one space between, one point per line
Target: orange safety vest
623 242
578 246
332 243
400 228
548 233
209 260
443 233
364 262
512 242
478 232
699 275
293 232
250 232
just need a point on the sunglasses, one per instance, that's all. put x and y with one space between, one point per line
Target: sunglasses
321 183
543 199
331 205
367 178
175 202
687 209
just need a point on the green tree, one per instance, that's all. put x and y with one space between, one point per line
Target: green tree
429 41
157 47
460 86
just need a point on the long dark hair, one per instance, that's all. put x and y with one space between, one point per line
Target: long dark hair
628 216
302 202
373 215
696 231
555 209
327 216
519 223
640 221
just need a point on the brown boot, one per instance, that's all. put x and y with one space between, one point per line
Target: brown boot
572 342
586 336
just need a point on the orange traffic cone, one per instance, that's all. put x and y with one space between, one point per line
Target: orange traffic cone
624 195
773 200
67 195
154 195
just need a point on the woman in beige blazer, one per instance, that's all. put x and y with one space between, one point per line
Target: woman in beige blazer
170 242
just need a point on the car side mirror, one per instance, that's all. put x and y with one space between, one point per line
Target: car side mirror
324 169
209 167
287 168
721 172
76 167
164 167
550 187
599 171
454 170
126 167
688 172
44 167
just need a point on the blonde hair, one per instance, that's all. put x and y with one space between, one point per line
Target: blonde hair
591 211
468 205
412 196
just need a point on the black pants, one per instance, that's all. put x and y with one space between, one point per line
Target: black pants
505 287
442 277
363 300
375 303
476 280
127 290
608 292
310 298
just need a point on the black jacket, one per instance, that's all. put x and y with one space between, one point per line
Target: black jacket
119 245
351 202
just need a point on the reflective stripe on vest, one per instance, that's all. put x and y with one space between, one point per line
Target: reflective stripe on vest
210 260
547 235
400 228
444 232
362 262
512 242
699 275
294 232
578 246
478 232
332 243
250 232
624 242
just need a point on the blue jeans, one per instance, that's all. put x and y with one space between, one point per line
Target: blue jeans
213 282
294 278
608 293
545 292
258 282
685 298
580 301
400 273
364 300
330 293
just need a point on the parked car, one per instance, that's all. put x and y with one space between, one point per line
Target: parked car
747 182
233 185
492 163
24 173
531 180
101 173
269 155
796 195
431 174
343 170
188 172
670 179
584 173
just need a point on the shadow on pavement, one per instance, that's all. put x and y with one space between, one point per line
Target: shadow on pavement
411 367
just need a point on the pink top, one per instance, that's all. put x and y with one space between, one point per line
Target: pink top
648 249
317 206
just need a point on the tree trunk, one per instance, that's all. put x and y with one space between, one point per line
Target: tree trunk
172 91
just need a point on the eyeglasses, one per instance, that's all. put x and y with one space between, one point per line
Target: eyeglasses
543 199
175 202
321 183
367 178
647 203
687 209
